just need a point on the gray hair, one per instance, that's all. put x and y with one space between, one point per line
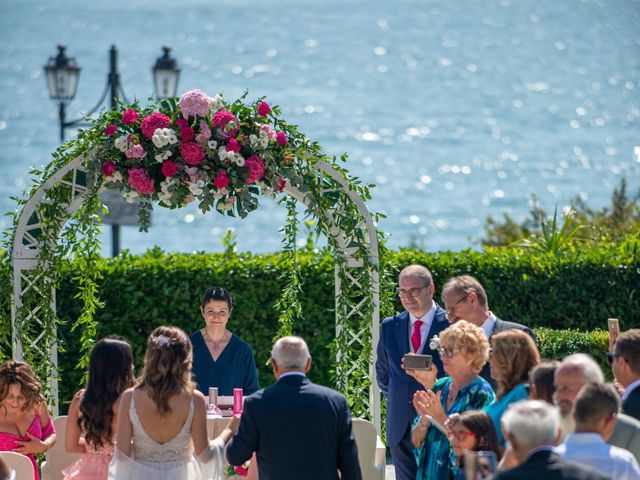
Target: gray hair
464 285
291 353
591 371
418 271
532 422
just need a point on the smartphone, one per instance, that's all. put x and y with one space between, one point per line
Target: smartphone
480 465
415 361
614 327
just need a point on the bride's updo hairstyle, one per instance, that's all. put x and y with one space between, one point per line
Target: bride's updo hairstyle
167 366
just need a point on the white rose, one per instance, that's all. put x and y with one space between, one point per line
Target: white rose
215 103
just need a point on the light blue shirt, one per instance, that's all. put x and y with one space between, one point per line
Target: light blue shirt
497 409
590 449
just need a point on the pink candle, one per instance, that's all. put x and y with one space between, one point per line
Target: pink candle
237 401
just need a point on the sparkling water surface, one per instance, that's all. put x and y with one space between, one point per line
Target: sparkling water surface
454 109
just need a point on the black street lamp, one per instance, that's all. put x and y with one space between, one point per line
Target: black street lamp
62 75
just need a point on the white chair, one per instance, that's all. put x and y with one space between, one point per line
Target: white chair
371 450
20 464
57 456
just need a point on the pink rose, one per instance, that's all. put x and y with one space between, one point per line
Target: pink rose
187 134
192 153
140 180
263 109
281 138
281 184
108 168
226 122
205 132
182 123
256 168
194 103
222 180
110 130
233 146
152 122
241 470
169 168
136 151
271 133
130 116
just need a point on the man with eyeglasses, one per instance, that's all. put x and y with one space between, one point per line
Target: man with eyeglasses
464 298
407 332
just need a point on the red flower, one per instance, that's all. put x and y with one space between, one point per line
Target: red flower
222 180
263 109
281 138
256 168
225 121
233 146
187 134
108 168
169 168
192 153
182 123
152 122
129 117
282 184
241 470
110 130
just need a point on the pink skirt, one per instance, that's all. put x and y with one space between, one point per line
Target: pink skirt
92 466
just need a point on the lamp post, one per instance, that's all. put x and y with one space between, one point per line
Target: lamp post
63 73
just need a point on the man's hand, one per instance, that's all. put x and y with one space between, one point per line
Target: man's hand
426 378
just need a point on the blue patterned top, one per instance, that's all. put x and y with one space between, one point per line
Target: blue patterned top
435 457
497 409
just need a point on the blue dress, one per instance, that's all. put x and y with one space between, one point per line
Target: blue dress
435 457
234 368
497 409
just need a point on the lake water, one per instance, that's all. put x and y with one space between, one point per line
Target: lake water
455 109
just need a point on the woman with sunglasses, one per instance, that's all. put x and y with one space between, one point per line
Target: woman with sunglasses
464 350
470 431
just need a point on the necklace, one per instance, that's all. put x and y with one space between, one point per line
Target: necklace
216 345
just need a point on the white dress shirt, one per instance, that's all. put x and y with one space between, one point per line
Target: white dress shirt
488 325
427 320
590 449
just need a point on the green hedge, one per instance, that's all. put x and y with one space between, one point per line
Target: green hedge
140 292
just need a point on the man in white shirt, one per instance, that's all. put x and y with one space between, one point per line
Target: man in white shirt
595 413
625 364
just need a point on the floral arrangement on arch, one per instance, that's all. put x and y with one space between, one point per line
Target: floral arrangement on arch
197 148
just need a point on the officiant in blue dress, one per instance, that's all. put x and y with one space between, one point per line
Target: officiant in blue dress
220 358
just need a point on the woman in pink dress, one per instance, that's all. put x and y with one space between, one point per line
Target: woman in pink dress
25 423
93 412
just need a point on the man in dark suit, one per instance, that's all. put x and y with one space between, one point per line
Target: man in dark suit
464 298
407 332
625 364
296 428
532 427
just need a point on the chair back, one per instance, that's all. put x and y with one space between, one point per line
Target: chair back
20 464
367 441
57 456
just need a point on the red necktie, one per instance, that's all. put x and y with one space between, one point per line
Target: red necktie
416 338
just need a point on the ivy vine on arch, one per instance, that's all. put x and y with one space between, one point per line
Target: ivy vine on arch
224 156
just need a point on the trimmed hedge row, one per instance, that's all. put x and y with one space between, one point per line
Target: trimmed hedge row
579 290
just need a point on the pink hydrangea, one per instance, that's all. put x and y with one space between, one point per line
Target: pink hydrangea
226 122
130 116
152 122
108 168
205 132
169 168
194 103
222 180
256 168
135 151
110 130
281 138
233 146
192 153
263 109
271 133
140 180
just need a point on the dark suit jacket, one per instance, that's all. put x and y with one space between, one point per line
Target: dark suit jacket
631 406
298 430
502 326
549 465
626 434
393 381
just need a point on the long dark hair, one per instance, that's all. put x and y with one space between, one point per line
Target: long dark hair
478 422
110 374
167 366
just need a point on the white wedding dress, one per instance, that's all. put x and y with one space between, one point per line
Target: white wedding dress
174 459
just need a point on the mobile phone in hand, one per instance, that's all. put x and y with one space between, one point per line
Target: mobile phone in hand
414 361
613 325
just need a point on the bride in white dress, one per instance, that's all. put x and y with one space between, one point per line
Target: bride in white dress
162 425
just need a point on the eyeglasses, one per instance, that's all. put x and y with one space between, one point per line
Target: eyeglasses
214 314
450 311
611 356
460 435
412 292
447 352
